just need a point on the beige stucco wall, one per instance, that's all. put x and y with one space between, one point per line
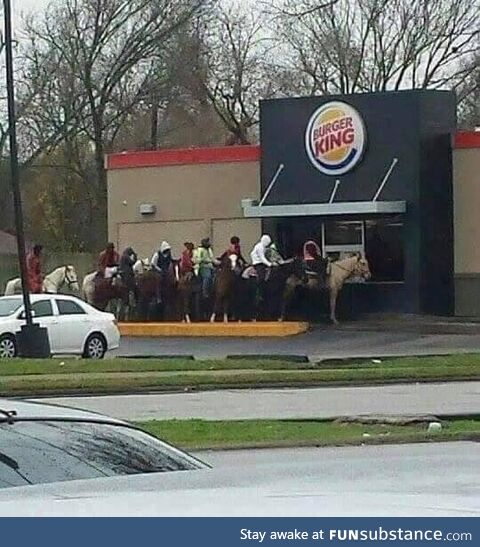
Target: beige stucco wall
192 202
466 175
466 188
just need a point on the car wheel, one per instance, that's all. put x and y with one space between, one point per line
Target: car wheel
8 347
95 347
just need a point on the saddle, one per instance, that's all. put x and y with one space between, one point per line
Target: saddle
317 270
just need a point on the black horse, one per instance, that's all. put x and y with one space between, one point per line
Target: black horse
249 297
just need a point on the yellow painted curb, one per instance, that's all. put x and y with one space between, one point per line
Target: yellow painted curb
265 329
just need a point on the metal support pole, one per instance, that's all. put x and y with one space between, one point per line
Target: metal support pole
334 191
385 179
281 167
17 199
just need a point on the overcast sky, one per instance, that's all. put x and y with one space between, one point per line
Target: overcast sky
19 6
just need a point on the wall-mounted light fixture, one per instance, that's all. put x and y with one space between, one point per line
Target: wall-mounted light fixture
147 209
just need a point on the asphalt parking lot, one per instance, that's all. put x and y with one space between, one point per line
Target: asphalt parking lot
321 342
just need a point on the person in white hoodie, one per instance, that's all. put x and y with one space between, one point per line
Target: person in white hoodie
161 262
261 263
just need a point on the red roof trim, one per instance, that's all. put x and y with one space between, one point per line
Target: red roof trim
466 139
187 156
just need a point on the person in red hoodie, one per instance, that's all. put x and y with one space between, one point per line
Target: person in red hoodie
314 261
186 260
109 258
34 270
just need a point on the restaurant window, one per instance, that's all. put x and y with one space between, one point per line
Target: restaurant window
380 240
341 239
384 248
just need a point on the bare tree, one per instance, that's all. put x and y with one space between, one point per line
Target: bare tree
234 68
370 45
103 51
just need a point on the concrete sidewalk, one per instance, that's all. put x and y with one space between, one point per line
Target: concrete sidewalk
437 399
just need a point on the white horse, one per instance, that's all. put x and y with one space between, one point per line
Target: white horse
53 282
141 266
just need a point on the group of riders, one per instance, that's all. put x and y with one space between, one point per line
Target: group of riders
205 276
201 262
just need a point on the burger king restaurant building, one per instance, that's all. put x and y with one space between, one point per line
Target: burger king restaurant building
383 174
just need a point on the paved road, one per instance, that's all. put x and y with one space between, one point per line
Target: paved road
320 343
450 398
443 477
414 480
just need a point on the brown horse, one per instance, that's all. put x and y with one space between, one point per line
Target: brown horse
189 294
169 292
110 290
337 274
148 287
224 287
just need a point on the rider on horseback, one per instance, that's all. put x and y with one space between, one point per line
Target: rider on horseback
204 263
314 262
186 260
34 270
261 263
108 261
161 262
127 262
273 255
235 249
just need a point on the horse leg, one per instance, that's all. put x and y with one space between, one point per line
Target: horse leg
333 305
187 296
226 308
287 298
213 317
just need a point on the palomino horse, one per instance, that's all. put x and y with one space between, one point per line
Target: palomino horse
53 282
337 274
224 287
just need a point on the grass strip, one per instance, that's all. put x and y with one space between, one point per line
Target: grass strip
203 434
18 367
174 380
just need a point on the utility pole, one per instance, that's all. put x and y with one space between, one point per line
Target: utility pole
33 341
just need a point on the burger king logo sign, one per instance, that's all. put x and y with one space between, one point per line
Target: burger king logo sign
335 139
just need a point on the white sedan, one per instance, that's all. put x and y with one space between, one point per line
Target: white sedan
74 327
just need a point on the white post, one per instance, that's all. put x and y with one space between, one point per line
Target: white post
281 167
334 191
385 179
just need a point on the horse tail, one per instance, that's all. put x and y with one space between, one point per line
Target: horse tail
10 288
88 289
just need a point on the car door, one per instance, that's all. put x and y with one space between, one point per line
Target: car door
74 323
44 315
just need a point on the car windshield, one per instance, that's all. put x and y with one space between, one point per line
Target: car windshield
9 305
36 452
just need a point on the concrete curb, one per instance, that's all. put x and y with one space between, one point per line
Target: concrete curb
239 330
434 439
227 386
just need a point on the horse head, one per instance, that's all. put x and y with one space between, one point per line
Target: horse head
229 262
141 266
362 268
300 270
71 278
